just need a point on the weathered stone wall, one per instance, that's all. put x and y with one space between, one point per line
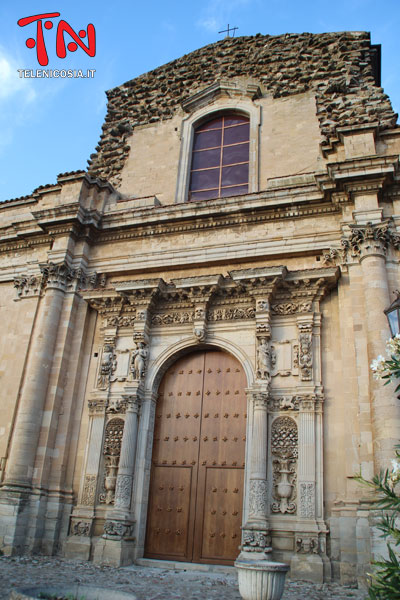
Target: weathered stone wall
336 66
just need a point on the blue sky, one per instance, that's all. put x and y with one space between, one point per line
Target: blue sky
49 126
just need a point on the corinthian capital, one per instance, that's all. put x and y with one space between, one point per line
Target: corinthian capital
369 239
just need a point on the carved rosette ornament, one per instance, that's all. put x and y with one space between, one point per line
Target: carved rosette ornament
284 448
111 452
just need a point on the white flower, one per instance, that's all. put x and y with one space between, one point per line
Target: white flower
393 346
395 474
378 366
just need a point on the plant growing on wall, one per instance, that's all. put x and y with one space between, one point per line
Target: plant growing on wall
385 581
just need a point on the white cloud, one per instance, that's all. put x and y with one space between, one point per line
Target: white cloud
11 84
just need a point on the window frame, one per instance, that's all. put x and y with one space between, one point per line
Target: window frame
244 107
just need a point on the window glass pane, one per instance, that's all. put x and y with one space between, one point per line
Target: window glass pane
202 180
234 191
233 135
235 120
206 158
214 124
237 174
207 139
205 195
235 154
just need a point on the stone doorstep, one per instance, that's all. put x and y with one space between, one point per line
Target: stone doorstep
184 566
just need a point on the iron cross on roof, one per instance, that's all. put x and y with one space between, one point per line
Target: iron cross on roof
227 31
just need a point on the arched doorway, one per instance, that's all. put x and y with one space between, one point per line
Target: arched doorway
196 488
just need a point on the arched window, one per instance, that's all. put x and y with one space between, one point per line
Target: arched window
220 158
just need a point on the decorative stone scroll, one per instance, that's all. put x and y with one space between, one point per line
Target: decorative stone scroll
111 452
284 448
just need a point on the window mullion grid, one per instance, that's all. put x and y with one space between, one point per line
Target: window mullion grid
220 157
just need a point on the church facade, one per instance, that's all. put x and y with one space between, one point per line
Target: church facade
187 326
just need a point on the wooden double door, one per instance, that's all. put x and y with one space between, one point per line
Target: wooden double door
196 488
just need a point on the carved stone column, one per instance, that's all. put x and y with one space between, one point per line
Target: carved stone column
370 242
256 538
123 490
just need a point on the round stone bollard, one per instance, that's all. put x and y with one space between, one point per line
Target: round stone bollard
261 579
70 592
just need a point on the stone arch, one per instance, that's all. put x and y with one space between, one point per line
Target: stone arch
177 350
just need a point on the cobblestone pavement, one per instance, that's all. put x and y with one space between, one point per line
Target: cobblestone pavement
148 583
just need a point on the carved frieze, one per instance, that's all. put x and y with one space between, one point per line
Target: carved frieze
284 449
172 318
230 314
291 308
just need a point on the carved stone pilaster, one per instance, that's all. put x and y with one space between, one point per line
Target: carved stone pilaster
88 496
123 491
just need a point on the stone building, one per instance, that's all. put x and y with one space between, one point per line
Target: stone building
187 327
